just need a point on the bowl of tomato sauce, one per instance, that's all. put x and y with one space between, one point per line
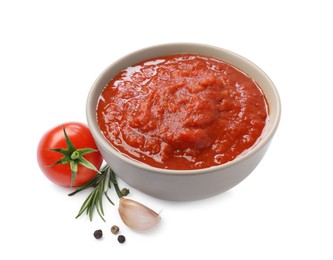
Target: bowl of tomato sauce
183 121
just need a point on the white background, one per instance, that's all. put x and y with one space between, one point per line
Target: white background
52 51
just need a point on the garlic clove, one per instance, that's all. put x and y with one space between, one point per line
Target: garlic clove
137 216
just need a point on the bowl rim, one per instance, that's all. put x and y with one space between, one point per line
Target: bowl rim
264 139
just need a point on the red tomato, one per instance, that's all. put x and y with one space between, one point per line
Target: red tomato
61 174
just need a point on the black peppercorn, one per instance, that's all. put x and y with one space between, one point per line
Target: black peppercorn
98 234
121 239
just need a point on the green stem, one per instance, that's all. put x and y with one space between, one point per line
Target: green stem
115 183
100 184
90 184
75 155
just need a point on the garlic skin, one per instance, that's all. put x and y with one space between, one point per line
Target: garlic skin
137 216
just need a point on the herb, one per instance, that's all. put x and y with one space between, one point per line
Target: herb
134 214
101 183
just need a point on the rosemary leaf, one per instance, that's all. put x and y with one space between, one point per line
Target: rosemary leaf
108 198
85 205
100 196
93 204
100 185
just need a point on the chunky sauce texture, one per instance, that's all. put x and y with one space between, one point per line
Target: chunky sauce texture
182 111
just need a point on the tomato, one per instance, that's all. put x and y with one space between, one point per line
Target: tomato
62 161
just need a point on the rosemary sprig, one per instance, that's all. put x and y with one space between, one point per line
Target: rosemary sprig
101 183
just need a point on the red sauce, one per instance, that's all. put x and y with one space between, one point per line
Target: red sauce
182 112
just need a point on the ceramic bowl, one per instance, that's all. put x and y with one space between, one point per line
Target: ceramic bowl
184 185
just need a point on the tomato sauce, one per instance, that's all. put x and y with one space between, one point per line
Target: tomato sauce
183 111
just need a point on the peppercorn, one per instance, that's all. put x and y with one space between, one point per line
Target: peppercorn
98 234
125 191
121 239
114 229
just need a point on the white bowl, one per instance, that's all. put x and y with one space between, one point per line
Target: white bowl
182 185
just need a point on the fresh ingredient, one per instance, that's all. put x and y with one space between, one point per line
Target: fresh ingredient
98 234
121 239
183 111
68 156
114 229
100 184
137 216
133 214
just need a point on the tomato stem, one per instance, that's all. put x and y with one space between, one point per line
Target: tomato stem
73 157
